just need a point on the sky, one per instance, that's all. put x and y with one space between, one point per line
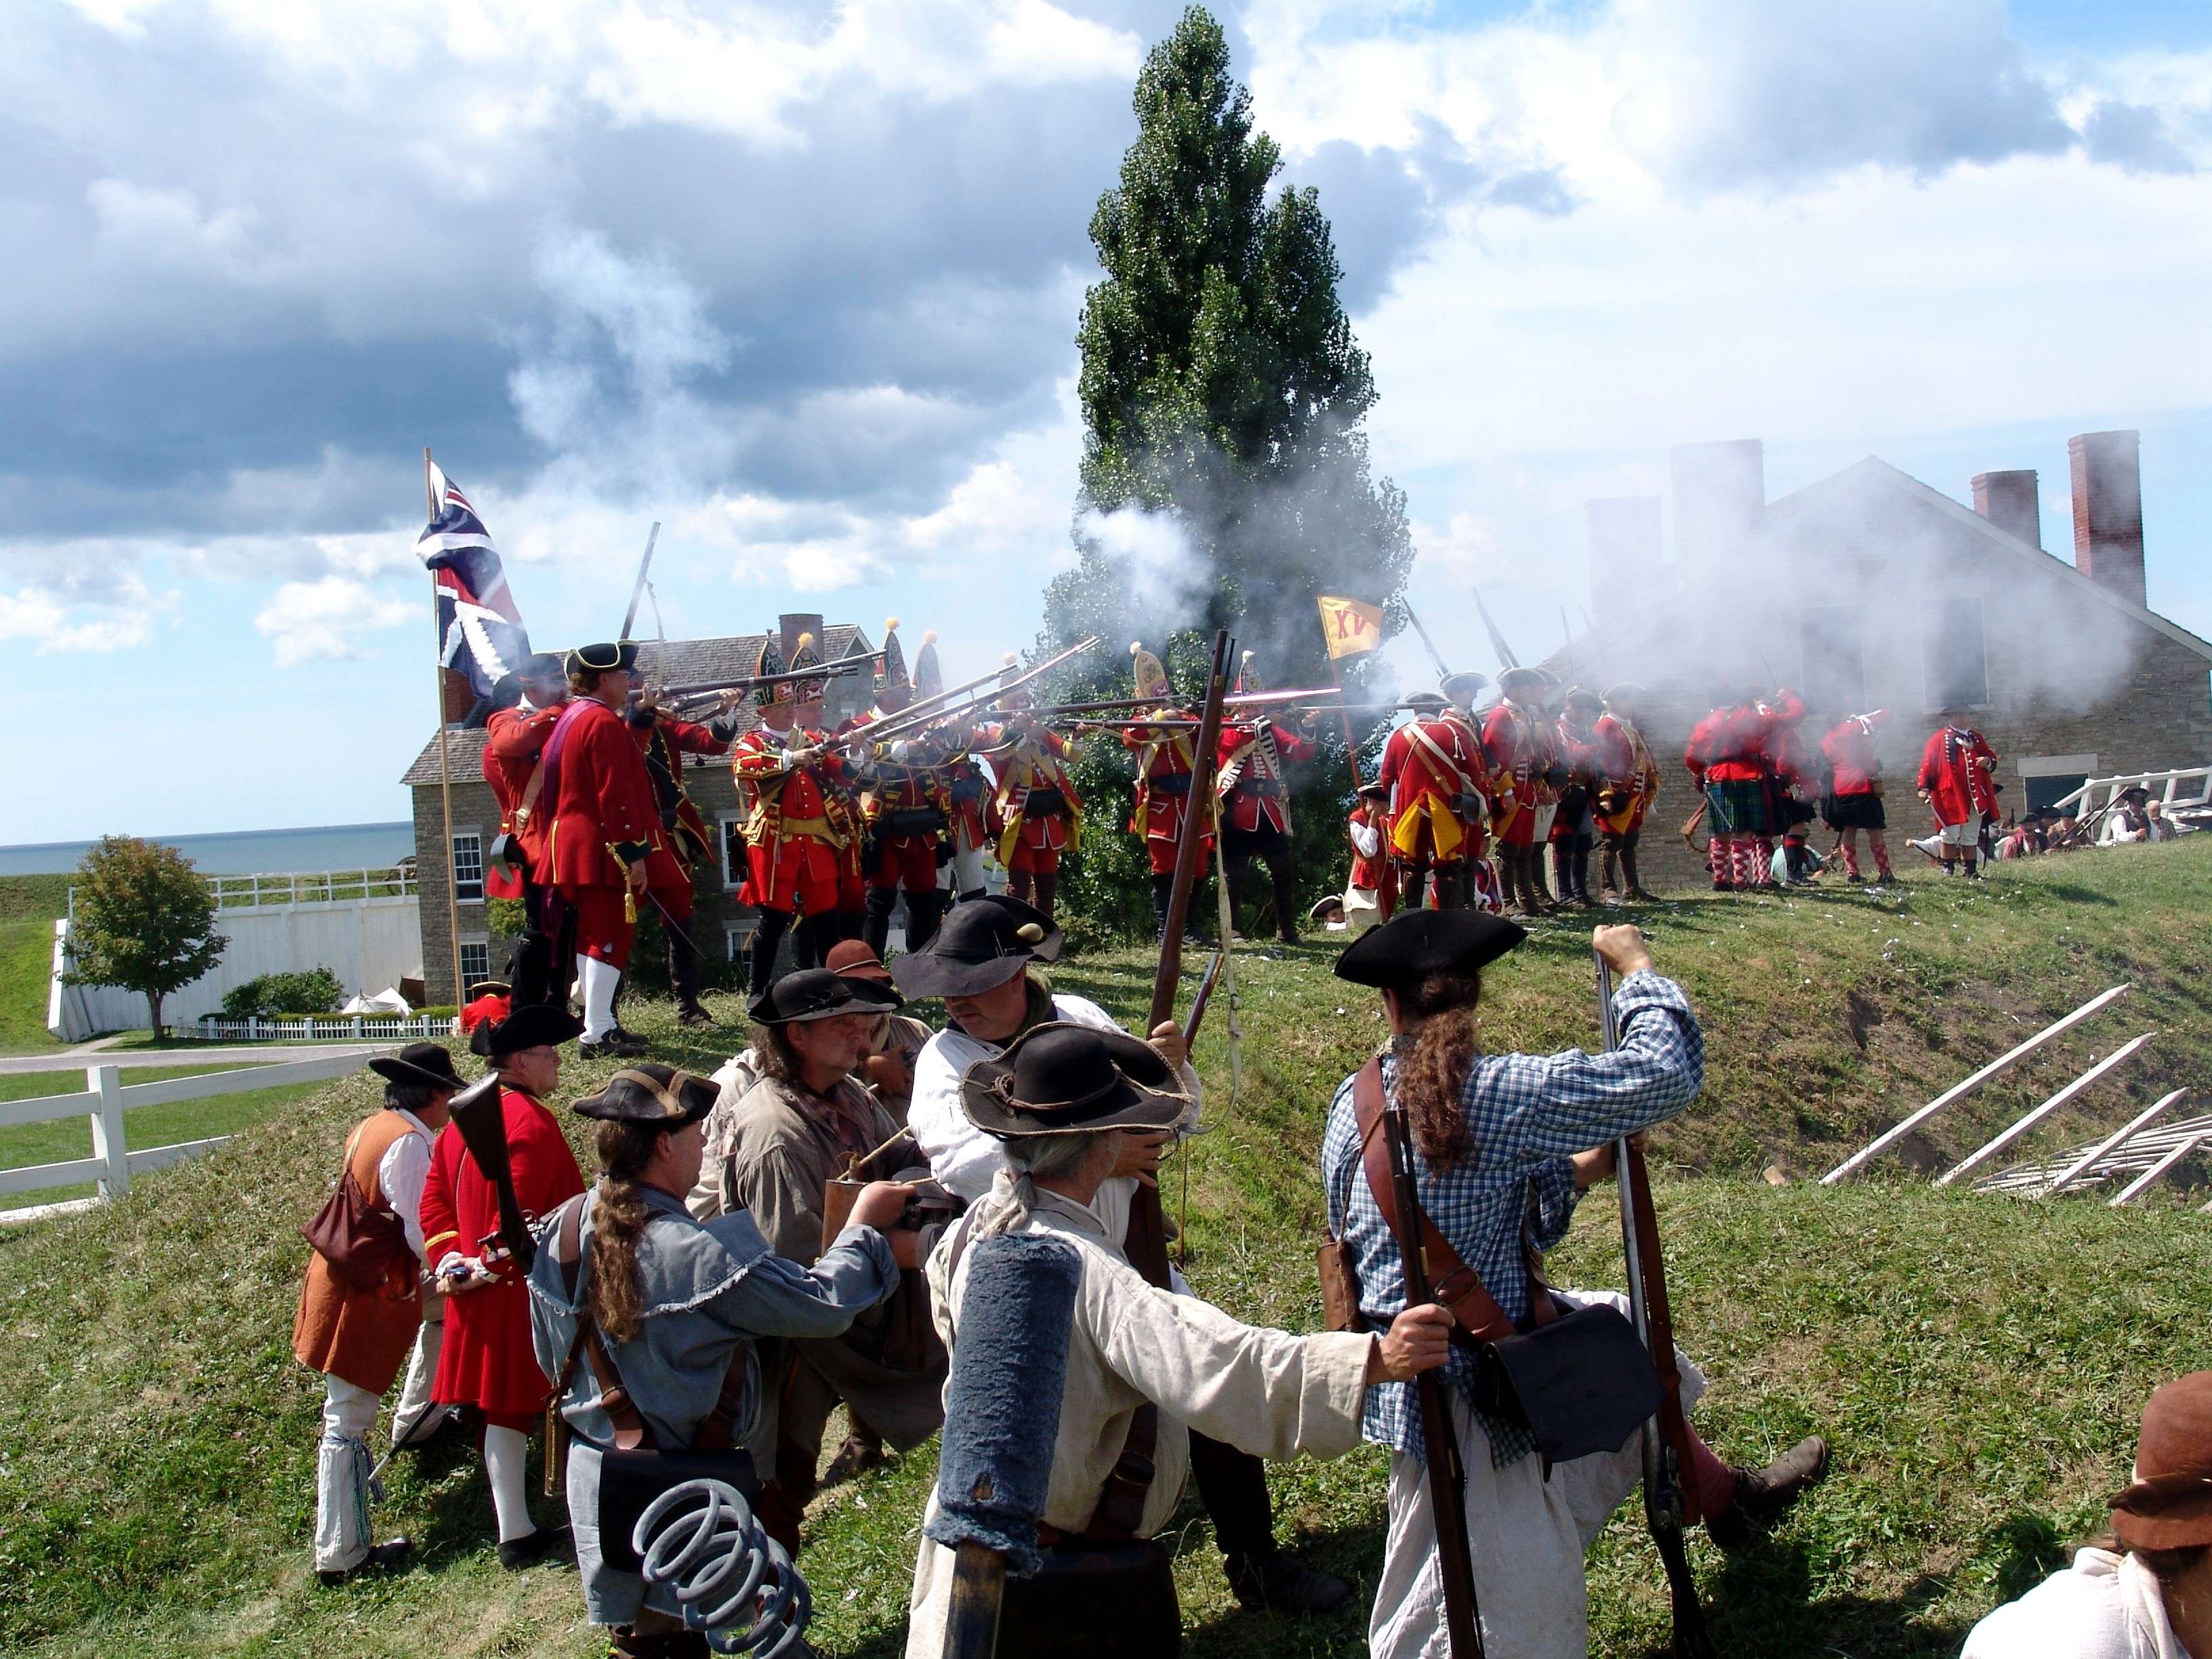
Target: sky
802 282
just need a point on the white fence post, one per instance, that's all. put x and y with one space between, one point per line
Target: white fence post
107 1082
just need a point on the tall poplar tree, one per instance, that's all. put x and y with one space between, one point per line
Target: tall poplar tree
1221 385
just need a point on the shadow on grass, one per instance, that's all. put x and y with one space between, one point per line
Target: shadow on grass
1763 1602
2073 895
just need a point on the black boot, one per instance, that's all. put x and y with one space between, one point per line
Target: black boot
1579 864
1048 889
1162 891
816 934
1608 879
683 980
1239 871
924 910
1763 1496
1018 886
530 971
876 931
768 938
1528 900
1286 900
1636 889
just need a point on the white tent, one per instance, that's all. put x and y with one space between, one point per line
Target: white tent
386 1001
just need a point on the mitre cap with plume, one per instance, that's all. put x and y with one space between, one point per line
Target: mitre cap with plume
1009 668
928 677
892 675
771 662
1247 678
804 656
1152 678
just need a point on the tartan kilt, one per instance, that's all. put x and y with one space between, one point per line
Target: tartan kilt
1738 806
1860 810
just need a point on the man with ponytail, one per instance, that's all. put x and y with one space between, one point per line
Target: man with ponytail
1500 1145
649 1320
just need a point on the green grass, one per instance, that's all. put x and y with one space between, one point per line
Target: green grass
28 905
61 1138
1978 1361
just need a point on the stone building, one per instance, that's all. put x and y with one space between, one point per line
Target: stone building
719 925
1870 589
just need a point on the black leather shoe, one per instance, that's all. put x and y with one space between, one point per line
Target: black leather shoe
1276 1581
387 1557
1763 1496
694 1015
516 1553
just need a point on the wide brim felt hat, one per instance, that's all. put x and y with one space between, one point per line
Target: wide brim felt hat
981 945
817 994
1414 944
1582 697
1428 700
659 1097
1624 691
1063 1079
852 959
2168 1506
1512 680
604 657
428 1063
534 1025
1463 684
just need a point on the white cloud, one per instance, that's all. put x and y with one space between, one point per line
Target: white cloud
323 620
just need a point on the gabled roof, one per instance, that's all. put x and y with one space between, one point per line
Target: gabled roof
680 662
1874 473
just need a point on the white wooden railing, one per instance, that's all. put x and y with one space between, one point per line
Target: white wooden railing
248 892
105 1098
320 1028
2187 792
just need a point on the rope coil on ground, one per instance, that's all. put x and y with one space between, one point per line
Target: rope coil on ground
701 1539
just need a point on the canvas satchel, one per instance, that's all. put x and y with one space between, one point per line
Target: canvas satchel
360 1240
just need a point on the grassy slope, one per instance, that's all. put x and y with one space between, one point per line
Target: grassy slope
28 905
1978 1361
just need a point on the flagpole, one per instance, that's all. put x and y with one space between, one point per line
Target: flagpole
445 761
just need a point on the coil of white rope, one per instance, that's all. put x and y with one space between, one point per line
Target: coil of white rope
732 1580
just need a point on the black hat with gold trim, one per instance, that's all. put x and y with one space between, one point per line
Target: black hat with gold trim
534 1025
771 662
603 659
659 1097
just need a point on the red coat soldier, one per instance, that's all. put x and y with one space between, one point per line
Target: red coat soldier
1255 803
1853 801
1729 759
486 1361
1628 781
1958 780
812 726
1440 804
1035 813
665 741
1525 773
800 829
514 744
609 853
1373 869
1166 740
967 789
1574 821
906 807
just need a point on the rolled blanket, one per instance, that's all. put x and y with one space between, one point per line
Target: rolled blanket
1002 1405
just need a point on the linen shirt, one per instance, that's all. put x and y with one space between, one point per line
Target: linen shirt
2102 1606
400 1174
1527 1113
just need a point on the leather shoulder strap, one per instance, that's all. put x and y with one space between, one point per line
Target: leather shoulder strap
1455 1285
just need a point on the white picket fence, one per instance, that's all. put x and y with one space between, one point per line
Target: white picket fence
2184 796
321 1028
103 1101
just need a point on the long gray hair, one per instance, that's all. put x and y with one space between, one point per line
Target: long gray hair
1032 1157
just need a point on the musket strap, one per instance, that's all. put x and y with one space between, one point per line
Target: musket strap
1451 1281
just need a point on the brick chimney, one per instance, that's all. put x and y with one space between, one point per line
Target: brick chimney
2007 499
1625 555
2108 535
1720 495
790 625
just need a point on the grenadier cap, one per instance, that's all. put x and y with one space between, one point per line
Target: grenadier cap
2168 1506
982 943
804 656
1011 669
771 662
818 993
659 1097
1063 1079
534 1025
1152 678
419 1062
603 659
892 675
928 677
1414 944
1247 678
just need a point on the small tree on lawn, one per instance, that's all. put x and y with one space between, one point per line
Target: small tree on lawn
144 920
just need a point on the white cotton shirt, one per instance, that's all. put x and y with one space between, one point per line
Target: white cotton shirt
2102 1606
400 1174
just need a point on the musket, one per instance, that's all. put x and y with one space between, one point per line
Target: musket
1196 1018
1505 657
637 592
925 709
1668 1505
479 1116
1439 1445
1146 1248
1435 656
853 664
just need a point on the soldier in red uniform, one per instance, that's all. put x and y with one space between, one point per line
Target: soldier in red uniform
1034 813
812 726
1628 781
1439 804
1574 822
486 1361
1852 800
1525 775
1727 765
1958 780
1373 869
1255 803
515 742
967 832
666 741
608 852
906 808
1166 762
799 827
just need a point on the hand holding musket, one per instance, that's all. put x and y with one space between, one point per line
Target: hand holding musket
479 1116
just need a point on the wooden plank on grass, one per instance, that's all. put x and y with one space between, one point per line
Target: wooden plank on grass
2013 1132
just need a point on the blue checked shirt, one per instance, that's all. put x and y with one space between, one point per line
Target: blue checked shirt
1527 1113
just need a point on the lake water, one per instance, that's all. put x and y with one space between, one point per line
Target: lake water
245 851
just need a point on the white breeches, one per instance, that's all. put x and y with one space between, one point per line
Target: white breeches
342 1476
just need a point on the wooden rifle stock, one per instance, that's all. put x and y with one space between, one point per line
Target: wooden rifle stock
1668 1505
1440 1445
1197 1015
479 1117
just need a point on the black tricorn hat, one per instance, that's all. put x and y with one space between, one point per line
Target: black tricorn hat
420 1062
982 943
1465 684
542 665
535 1025
1373 789
659 1095
1428 700
1062 1079
603 659
817 994
1414 944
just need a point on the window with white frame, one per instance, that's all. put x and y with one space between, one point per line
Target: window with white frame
736 935
468 867
1954 664
476 962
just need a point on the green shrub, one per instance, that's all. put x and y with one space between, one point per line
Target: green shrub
270 996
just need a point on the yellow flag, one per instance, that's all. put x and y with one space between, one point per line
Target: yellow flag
1349 626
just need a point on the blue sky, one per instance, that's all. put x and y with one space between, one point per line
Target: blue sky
802 281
